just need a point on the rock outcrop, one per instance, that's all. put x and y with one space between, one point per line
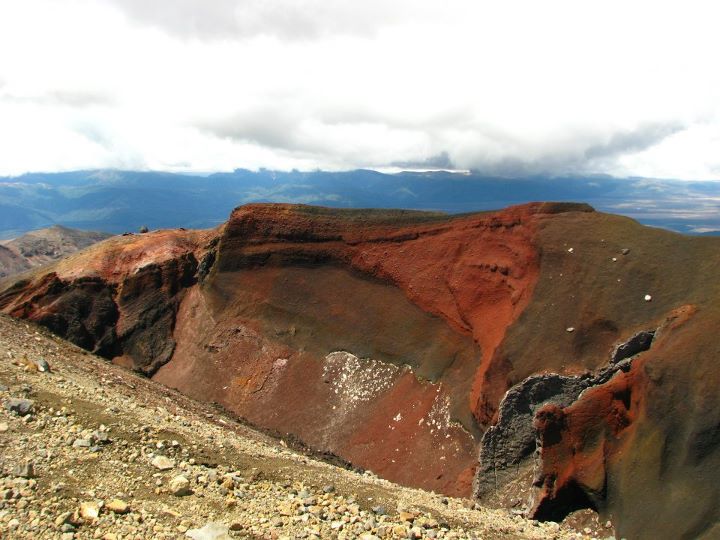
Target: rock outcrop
513 439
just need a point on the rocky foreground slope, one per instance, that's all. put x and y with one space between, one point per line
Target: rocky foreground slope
90 450
546 353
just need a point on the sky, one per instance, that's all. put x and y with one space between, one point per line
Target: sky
626 88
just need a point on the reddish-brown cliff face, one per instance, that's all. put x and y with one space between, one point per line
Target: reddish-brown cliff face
118 299
388 319
390 338
369 334
642 448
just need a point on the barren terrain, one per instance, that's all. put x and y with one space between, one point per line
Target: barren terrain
83 463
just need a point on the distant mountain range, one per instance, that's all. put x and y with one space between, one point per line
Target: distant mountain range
119 201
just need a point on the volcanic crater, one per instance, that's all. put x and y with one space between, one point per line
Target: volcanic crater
456 353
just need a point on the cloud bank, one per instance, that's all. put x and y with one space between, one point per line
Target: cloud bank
510 88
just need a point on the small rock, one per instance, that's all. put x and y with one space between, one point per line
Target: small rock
211 531
328 488
162 463
4 427
648 298
570 329
24 470
624 251
42 365
19 406
62 519
379 510
89 511
407 516
400 531
228 484
570 250
118 506
100 436
82 443
179 486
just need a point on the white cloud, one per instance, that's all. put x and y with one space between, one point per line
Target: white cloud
509 87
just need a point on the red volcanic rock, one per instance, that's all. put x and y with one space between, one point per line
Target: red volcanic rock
628 446
390 288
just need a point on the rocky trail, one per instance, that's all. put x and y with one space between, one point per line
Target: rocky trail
91 450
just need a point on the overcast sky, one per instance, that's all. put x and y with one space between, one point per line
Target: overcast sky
508 87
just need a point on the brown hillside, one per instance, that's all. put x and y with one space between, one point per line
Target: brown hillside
40 247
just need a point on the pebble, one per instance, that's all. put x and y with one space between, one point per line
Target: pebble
163 463
24 470
82 443
89 510
118 506
19 406
407 516
179 486
42 365
211 531
379 510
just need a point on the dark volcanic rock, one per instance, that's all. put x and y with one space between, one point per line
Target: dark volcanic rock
123 310
19 406
640 342
512 440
